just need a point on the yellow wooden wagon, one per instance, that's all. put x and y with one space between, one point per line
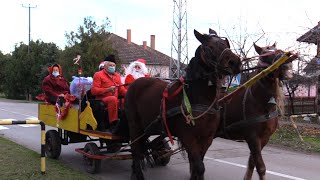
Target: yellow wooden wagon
82 126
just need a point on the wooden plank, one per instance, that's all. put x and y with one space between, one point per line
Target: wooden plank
48 115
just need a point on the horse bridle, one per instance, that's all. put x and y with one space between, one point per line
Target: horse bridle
216 64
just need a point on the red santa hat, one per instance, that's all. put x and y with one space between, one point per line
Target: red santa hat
141 60
101 65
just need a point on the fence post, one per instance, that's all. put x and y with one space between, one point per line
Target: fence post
43 153
296 128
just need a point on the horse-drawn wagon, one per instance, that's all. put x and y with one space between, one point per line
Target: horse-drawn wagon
86 123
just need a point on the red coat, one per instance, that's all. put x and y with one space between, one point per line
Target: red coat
129 79
103 80
53 86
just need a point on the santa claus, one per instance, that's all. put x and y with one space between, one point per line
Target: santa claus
136 69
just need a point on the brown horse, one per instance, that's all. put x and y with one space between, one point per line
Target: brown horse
253 115
144 104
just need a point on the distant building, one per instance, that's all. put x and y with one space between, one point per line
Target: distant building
313 67
157 62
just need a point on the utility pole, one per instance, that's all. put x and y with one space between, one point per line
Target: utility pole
179 44
29 7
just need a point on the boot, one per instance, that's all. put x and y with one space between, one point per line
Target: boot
114 127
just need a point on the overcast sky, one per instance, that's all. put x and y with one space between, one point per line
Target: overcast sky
282 21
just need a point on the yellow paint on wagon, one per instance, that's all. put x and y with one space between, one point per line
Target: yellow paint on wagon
96 134
86 117
48 115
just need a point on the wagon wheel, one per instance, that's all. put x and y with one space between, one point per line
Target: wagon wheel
92 165
163 161
53 144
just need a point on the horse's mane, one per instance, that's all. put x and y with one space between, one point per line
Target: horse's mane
196 69
280 97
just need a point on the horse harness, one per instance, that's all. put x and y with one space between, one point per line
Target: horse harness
253 119
164 113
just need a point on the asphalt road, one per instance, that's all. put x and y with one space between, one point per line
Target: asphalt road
225 160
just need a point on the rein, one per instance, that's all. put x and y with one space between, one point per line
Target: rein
165 96
262 55
177 110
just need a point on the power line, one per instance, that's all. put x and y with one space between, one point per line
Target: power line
29 7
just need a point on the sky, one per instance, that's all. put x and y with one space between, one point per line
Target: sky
281 21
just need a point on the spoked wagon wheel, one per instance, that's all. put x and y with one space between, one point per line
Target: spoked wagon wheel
160 147
92 165
163 161
53 144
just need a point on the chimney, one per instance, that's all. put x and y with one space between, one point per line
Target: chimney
144 44
129 36
153 43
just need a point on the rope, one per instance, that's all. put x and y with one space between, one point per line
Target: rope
190 118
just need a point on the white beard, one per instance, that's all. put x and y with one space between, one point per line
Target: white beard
137 75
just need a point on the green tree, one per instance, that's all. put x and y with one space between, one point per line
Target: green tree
91 42
4 58
24 73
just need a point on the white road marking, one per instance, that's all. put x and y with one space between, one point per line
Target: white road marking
8 119
32 118
27 125
15 112
244 166
2 128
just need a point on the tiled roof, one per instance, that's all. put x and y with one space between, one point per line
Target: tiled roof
312 66
311 36
131 52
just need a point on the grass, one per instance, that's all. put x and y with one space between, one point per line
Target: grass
286 136
18 162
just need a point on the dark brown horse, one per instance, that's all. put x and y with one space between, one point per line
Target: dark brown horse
143 104
253 114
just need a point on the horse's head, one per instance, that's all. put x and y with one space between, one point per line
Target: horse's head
215 52
268 55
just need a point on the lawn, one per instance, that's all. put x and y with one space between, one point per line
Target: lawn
18 162
286 136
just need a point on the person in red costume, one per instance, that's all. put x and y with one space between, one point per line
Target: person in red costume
54 85
107 86
136 69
